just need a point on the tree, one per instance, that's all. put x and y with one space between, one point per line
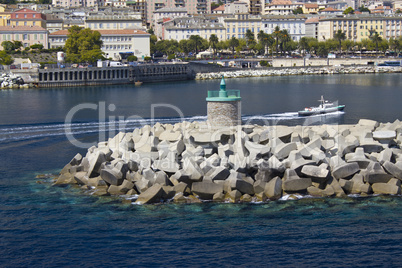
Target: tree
8 46
37 46
376 39
92 55
82 44
132 58
249 36
303 45
17 45
284 39
213 41
349 10
266 40
277 34
339 36
196 42
298 10
364 9
5 58
233 43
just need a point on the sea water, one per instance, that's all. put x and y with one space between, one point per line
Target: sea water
46 226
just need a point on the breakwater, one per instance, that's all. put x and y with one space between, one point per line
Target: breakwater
299 71
191 162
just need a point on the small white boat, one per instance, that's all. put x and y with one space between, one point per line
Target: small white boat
138 83
324 107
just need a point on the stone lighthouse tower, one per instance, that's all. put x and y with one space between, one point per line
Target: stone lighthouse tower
224 106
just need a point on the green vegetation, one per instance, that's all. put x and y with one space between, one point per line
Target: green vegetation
83 45
298 10
132 58
5 58
349 10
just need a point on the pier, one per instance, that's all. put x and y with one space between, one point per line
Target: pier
91 76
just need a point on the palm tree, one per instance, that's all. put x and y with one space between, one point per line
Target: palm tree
197 40
213 40
375 38
266 40
284 38
339 36
303 45
233 43
249 36
277 34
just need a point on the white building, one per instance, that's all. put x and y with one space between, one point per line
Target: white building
114 42
281 7
182 28
113 22
74 3
294 24
236 7
165 14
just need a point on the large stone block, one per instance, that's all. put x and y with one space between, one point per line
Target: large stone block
393 169
273 189
375 173
95 162
385 188
111 177
294 185
151 195
283 150
245 187
345 170
206 190
317 174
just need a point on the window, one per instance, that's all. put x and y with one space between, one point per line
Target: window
16 15
25 15
25 37
35 37
34 15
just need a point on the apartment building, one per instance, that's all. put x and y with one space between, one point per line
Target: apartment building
28 35
281 7
114 42
182 28
193 7
113 22
5 15
74 3
238 24
27 17
294 24
165 14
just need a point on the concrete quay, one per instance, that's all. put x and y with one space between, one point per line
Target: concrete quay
192 162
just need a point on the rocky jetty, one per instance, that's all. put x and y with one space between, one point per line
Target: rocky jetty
190 162
12 81
300 71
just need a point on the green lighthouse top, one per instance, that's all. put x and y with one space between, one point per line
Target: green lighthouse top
223 94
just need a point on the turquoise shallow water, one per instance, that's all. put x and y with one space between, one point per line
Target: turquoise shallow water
46 226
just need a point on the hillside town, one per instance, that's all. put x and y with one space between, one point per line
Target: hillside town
133 27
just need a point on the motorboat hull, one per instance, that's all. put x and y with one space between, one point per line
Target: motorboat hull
314 111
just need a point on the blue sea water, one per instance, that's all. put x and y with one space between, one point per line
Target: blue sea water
46 226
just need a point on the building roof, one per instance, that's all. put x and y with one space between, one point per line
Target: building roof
311 5
107 32
21 28
219 8
171 9
281 2
329 9
312 20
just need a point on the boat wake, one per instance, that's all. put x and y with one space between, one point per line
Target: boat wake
12 133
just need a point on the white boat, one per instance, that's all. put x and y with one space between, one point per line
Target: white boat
324 107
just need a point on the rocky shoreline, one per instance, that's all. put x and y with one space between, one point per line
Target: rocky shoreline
300 71
190 162
8 81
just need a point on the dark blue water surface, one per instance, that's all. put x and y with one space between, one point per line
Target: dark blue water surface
46 226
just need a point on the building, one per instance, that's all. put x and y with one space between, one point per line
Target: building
115 42
74 3
256 6
238 24
311 26
294 24
28 35
5 15
359 27
281 7
310 8
330 11
165 14
182 28
27 17
193 7
236 7
54 24
139 6
219 10
113 22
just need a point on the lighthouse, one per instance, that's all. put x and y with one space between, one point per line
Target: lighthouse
224 106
